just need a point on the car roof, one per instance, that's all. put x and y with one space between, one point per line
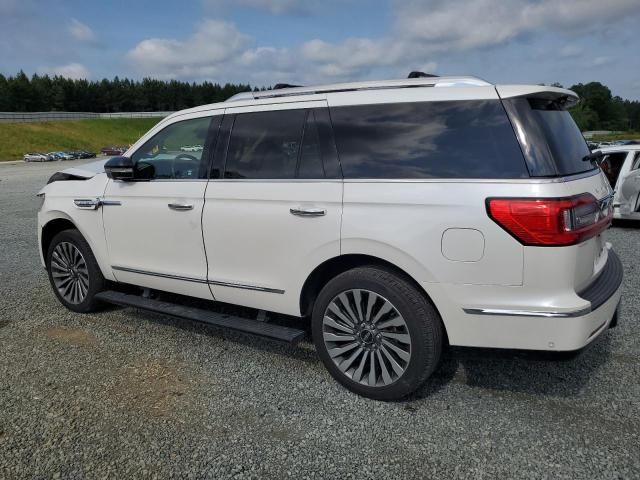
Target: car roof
465 83
618 148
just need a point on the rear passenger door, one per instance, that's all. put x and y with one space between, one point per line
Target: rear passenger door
273 204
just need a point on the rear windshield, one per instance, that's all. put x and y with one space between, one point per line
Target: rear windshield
551 141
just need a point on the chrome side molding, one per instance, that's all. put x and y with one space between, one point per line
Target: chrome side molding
87 203
308 212
93 203
158 274
244 286
527 313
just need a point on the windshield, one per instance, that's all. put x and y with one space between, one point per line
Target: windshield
550 139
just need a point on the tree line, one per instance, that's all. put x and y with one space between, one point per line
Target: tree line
42 93
598 109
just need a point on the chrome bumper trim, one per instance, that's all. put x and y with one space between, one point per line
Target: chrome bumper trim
527 313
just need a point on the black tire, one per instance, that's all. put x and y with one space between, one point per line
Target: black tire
422 323
96 281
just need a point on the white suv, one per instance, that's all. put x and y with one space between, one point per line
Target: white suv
399 215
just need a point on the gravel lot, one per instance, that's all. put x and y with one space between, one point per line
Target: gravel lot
127 394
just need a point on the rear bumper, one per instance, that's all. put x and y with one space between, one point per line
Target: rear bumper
551 329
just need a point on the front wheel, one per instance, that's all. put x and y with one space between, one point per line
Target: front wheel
376 333
73 271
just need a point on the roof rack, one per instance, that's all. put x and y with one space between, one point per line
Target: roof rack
359 86
416 74
279 86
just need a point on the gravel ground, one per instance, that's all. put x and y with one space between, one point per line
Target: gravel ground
127 394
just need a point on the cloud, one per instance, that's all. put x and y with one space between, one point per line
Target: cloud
277 7
81 32
422 30
601 61
471 24
72 70
570 51
422 34
213 44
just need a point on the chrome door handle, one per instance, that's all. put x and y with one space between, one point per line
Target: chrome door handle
308 212
181 207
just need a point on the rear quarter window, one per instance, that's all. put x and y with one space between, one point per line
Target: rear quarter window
551 141
449 139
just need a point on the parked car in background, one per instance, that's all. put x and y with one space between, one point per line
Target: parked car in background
191 148
55 155
113 150
36 157
621 165
399 216
82 154
65 156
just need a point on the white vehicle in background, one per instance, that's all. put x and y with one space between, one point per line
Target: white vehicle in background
36 157
621 165
192 148
398 216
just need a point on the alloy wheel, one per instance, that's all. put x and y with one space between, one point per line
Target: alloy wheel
366 337
70 273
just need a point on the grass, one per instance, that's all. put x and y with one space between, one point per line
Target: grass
16 139
617 136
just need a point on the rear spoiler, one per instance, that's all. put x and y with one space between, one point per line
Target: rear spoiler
539 91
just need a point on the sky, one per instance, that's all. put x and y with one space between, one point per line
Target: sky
263 42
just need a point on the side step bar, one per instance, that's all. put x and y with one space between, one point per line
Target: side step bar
254 327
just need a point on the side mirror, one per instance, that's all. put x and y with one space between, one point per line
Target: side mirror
119 168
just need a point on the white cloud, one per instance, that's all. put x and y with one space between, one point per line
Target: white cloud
72 70
569 51
469 24
601 61
212 45
81 32
277 7
421 33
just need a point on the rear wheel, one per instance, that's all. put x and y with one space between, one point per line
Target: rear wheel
73 271
376 333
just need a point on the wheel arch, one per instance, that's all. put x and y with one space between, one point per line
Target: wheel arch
332 267
51 229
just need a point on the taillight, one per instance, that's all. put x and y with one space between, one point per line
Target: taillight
551 221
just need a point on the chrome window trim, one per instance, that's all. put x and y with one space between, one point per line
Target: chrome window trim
277 180
244 286
530 180
528 313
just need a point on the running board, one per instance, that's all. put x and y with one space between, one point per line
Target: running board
254 327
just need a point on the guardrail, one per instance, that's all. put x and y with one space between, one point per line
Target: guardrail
21 117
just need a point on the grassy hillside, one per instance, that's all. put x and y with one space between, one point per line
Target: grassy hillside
617 136
18 138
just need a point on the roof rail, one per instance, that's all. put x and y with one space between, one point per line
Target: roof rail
359 86
416 74
279 86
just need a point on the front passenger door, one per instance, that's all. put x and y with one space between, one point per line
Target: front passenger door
153 224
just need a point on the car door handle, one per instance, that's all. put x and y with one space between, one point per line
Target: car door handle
181 207
308 212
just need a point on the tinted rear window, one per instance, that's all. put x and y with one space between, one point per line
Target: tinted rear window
550 139
461 139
